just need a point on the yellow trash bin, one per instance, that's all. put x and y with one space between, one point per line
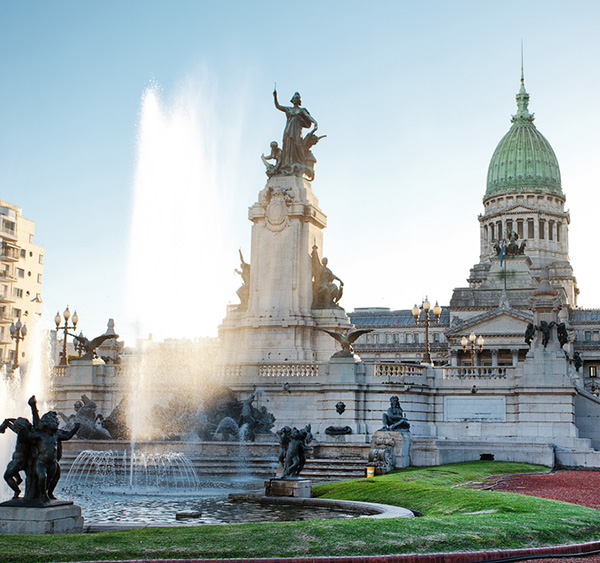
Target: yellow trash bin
370 472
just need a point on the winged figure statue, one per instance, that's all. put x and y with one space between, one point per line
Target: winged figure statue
346 340
90 345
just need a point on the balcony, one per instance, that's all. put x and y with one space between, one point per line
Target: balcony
6 297
7 275
6 317
9 253
8 230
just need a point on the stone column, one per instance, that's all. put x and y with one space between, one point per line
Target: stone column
453 358
515 357
494 357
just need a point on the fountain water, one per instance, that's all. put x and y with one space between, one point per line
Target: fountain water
179 200
147 473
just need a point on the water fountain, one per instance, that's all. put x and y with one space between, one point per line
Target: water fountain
140 473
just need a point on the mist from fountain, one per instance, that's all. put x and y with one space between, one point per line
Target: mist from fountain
178 219
16 386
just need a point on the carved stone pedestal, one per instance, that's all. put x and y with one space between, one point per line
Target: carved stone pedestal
389 450
300 488
23 517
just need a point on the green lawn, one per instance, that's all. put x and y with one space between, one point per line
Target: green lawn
518 521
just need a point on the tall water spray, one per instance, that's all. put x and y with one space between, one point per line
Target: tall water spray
179 243
33 378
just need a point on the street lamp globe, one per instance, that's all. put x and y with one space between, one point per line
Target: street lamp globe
416 312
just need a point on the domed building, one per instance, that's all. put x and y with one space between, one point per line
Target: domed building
524 195
524 232
513 361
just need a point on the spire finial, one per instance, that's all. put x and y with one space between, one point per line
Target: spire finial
522 97
522 72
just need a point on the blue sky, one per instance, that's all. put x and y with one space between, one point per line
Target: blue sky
413 98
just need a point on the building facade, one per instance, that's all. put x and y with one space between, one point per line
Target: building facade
21 270
524 230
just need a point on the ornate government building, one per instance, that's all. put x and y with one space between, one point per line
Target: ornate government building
524 211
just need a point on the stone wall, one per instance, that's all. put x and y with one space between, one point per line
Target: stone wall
587 418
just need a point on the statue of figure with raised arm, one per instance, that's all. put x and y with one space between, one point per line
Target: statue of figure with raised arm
295 157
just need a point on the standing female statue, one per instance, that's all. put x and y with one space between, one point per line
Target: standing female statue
296 157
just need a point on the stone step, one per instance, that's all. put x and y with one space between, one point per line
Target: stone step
316 468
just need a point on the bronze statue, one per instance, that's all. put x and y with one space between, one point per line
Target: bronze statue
529 334
37 453
295 158
512 248
292 453
326 293
90 345
561 333
90 425
577 361
346 341
244 291
116 422
544 328
275 155
394 418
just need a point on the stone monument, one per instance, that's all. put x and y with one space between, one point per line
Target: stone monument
546 383
290 291
390 445
37 453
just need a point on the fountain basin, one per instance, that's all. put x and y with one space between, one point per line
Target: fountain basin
113 508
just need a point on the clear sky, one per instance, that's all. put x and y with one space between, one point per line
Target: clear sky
413 98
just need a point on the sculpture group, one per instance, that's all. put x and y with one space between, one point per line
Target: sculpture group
37 453
295 157
294 444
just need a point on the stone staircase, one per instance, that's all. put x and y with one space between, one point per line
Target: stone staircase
579 454
318 469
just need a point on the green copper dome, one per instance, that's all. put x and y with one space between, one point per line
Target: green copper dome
523 159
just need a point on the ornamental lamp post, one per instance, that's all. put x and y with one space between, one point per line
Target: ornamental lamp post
66 327
471 340
18 332
437 311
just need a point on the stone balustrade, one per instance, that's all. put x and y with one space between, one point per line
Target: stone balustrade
399 370
59 371
289 370
477 372
233 370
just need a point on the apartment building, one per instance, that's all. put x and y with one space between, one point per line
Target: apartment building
21 269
